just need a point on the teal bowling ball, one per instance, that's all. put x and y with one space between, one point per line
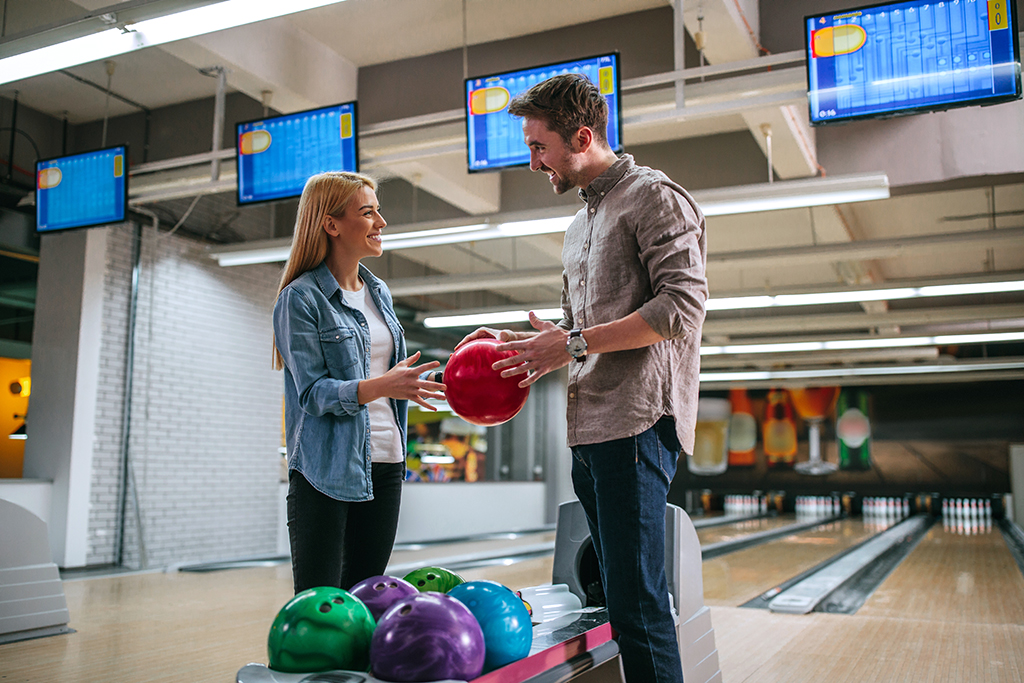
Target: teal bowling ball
503 617
321 629
435 579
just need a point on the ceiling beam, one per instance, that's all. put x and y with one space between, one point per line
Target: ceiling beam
865 249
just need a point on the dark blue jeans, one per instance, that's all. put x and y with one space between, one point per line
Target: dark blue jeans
623 486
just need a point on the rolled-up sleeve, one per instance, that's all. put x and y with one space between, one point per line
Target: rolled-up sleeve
298 340
671 240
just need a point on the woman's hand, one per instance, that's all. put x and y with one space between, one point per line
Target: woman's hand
403 382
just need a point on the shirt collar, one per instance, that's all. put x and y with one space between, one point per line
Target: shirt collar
607 180
325 280
327 283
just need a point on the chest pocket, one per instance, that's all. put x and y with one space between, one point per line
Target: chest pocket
341 349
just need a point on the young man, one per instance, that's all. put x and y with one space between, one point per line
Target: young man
633 298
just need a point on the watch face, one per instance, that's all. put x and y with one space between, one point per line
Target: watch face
576 346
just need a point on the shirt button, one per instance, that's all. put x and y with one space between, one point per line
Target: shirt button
582 283
337 336
593 210
602 194
572 395
586 245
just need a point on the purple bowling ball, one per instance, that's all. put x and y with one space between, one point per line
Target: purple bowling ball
427 637
380 592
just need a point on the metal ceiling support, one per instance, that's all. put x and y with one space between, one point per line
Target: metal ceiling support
218 116
679 47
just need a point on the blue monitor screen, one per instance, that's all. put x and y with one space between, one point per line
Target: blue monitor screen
82 190
276 156
495 139
911 57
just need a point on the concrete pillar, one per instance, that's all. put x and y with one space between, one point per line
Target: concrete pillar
65 374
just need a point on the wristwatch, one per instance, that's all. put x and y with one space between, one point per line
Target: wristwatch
576 345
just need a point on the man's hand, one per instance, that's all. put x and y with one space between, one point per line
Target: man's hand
538 354
487 333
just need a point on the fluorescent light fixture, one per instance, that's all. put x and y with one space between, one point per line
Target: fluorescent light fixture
136 36
245 257
473 233
495 318
870 343
749 302
793 194
784 194
857 296
839 373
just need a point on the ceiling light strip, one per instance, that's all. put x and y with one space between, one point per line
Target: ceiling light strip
150 32
869 343
858 296
840 373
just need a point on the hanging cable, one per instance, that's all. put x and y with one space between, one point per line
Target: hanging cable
181 221
111 66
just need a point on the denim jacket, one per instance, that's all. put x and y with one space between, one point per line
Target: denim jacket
326 349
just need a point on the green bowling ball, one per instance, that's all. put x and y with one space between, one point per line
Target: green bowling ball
321 629
437 579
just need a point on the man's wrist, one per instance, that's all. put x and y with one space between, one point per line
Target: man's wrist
576 344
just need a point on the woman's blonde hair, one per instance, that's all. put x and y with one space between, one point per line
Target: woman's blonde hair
325 194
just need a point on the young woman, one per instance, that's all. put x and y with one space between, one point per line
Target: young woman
347 387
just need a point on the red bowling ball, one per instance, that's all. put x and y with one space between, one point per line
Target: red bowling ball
477 393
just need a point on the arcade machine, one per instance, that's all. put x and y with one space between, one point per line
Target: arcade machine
573 639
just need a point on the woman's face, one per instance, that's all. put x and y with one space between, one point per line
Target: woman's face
358 229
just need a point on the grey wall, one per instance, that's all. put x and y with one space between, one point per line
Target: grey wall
422 85
206 412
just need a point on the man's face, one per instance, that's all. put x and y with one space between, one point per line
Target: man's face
550 154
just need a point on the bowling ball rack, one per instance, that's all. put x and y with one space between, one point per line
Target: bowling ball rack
567 646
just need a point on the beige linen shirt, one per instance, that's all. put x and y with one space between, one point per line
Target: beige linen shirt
638 245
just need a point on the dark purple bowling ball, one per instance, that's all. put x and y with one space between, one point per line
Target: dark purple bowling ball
380 592
427 637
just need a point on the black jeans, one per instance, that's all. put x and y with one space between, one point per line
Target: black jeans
337 543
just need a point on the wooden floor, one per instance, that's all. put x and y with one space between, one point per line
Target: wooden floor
953 611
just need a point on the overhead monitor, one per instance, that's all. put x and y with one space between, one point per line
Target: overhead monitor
82 190
910 57
276 156
495 139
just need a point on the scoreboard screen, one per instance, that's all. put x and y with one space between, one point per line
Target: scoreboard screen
82 190
495 139
276 156
911 57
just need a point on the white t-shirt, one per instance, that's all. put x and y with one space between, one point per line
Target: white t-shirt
385 438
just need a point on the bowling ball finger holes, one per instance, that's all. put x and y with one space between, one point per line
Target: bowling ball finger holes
326 607
406 609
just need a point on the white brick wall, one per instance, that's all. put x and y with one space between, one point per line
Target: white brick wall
206 411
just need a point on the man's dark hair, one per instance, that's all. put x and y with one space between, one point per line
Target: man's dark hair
566 103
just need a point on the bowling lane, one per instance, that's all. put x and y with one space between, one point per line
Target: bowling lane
728 532
735 578
955 577
425 554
